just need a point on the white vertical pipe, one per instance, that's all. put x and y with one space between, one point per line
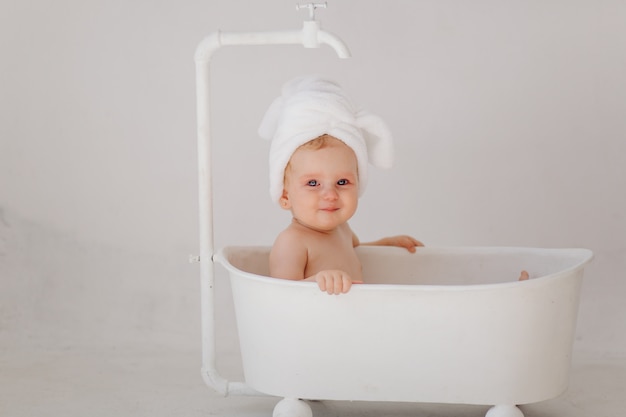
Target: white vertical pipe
205 192
210 374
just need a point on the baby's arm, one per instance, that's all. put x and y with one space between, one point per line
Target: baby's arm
402 241
288 257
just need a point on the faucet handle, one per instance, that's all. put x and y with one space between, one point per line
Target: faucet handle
311 7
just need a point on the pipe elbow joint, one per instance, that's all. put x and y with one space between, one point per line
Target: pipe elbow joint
207 47
214 380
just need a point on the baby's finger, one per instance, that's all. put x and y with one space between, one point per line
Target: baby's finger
339 284
331 285
413 241
321 283
347 283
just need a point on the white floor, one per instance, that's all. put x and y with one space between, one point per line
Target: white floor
134 381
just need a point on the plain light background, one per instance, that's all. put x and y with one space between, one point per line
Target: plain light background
509 120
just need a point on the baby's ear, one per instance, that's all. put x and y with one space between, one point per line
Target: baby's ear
284 201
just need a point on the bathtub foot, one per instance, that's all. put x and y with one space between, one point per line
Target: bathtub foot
290 407
504 411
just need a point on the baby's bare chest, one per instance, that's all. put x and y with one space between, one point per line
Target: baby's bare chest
333 254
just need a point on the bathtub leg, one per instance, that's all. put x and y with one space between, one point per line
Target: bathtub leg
504 411
291 407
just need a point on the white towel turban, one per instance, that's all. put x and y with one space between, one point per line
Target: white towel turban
311 106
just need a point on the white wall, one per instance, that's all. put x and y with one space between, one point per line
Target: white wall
508 119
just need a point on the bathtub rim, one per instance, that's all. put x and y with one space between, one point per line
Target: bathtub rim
586 255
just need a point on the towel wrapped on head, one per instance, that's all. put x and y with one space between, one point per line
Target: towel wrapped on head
311 106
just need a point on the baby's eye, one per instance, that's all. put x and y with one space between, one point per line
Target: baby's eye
312 183
343 182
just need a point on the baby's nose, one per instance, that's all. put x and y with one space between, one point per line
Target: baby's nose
330 193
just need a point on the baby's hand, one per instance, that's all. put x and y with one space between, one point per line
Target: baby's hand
334 281
402 241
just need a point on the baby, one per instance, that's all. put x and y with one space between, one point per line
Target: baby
321 190
321 146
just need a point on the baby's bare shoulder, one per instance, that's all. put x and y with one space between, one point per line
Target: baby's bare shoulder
291 236
289 242
288 256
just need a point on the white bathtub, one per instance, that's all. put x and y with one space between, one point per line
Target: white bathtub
444 325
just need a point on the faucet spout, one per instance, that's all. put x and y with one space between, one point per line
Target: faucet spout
334 42
313 36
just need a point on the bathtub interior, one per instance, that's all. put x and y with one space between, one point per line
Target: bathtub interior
433 266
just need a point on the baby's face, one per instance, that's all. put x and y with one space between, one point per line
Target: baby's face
321 186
